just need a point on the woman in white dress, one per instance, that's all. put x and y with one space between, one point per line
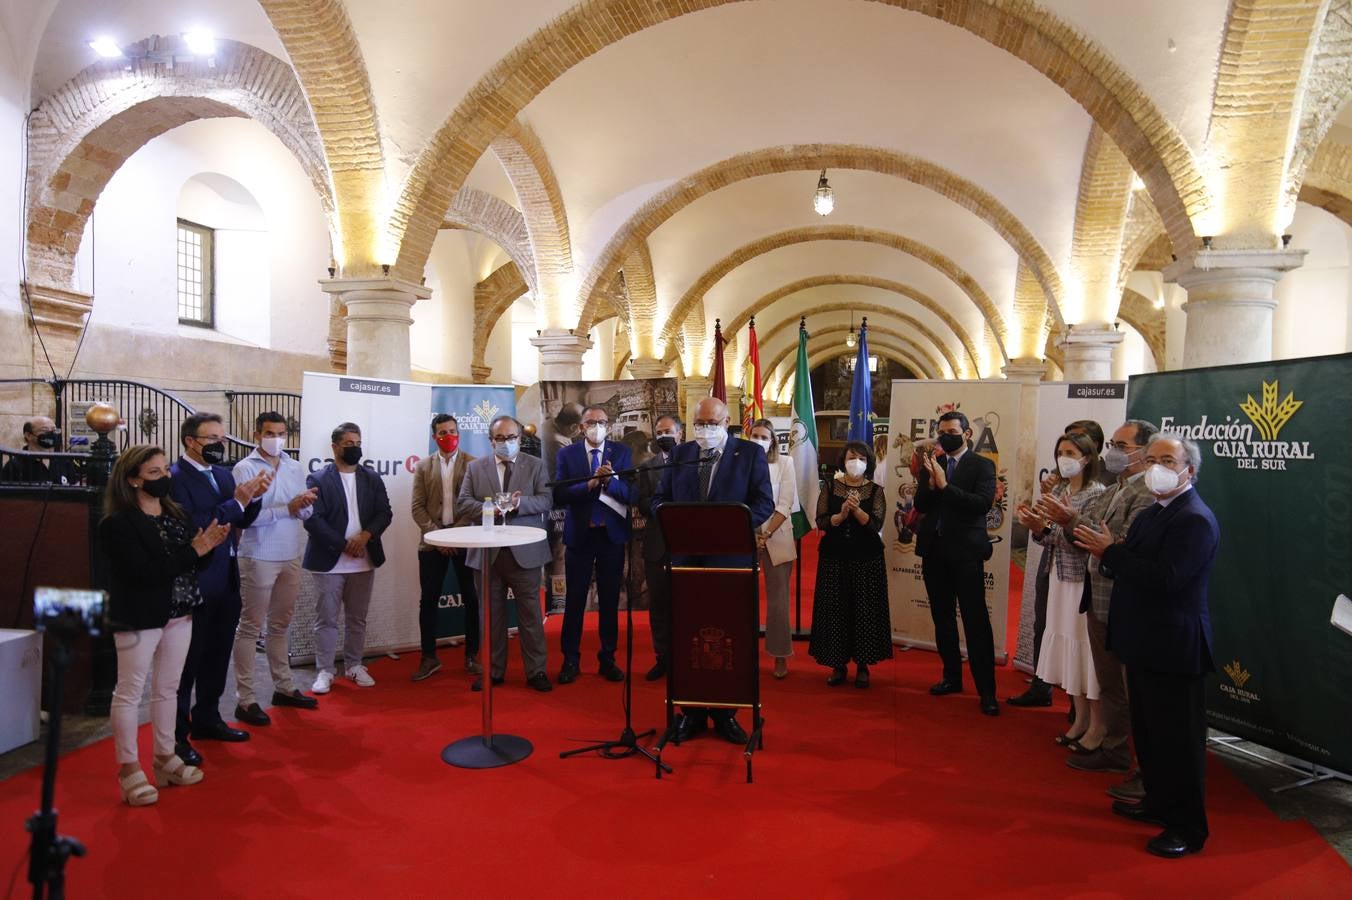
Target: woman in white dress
1064 658
777 552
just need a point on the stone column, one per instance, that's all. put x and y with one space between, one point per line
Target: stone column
734 404
480 374
378 322
1230 303
1089 352
1028 372
647 367
696 389
560 354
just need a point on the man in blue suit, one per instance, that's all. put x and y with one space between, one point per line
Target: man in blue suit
595 535
1160 627
717 468
206 490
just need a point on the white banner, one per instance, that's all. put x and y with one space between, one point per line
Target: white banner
992 408
1058 404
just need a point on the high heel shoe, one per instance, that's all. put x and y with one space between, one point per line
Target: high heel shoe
836 678
175 771
1065 740
136 790
781 667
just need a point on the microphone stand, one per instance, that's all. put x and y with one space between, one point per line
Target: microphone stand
628 742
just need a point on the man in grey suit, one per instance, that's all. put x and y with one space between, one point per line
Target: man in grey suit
518 568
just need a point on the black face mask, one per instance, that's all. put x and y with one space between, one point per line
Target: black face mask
350 455
951 443
666 443
214 453
49 441
159 488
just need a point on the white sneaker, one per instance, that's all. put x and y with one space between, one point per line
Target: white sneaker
361 676
323 683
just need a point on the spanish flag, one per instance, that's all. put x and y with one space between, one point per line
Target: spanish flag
754 407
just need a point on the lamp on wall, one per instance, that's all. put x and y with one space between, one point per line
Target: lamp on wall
850 339
824 200
106 48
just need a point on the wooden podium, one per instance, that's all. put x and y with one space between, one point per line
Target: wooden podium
712 658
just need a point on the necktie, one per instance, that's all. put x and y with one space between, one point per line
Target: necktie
211 477
950 466
506 476
706 471
597 516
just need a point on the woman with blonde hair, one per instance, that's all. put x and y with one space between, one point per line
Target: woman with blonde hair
153 558
777 551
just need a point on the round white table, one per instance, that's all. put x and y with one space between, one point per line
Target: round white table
488 750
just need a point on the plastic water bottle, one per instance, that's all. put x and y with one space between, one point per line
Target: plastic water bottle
488 512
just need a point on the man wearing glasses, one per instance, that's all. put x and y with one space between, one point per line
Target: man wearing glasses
596 534
520 568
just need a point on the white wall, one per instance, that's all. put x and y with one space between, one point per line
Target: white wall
269 294
13 94
442 339
1312 317
525 358
1132 356
1151 285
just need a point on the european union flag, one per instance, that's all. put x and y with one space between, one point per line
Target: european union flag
861 393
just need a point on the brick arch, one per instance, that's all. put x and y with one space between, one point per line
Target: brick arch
1149 322
875 312
327 60
896 287
83 133
493 297
1328 180
481 212
897 355
788 238
1069 59
1327 89
634 233
1101 210
1142 232
524 160
876 334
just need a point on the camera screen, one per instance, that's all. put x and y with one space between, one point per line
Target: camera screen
70 608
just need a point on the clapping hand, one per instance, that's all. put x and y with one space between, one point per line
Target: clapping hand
301 501
1094 538
1029 518
249 491
209 538
937 472
1049 482
1055 509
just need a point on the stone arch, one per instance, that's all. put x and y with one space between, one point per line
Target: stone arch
1141 234
80 135
1070 60
1101 210
493 297
1149 322
1328 180
1327 89
905 245
327 60
890 336
481 212
523 158
870 310
632 236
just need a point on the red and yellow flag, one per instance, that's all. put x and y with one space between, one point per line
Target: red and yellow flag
753 405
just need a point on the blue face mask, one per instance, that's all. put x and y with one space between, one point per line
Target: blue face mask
507 450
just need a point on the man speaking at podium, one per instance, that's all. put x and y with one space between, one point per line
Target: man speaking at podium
729 471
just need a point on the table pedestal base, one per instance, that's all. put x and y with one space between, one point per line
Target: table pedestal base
478 753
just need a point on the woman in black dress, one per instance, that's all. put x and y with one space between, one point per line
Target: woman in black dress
850 617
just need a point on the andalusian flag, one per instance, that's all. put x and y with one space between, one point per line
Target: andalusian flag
755 409
803 441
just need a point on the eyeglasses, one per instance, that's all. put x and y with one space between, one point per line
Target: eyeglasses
1124 446
603 424
502 439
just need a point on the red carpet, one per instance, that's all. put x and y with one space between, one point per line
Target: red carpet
882 792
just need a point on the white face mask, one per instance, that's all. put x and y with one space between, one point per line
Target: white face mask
1069 466
709 436
764 442
272 446
855 467
1161 479
596 434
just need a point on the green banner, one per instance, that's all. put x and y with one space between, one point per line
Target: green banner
1276 443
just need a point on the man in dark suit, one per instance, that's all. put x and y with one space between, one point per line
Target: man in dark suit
717 468
1160 627
954 492
667 434
40 436
351 511
595 535
206 490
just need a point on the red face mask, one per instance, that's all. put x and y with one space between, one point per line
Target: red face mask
448 442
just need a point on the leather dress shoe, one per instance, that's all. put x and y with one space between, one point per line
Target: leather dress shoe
568 674
611 672
946 687
1100 760
218 731
729 730
186 752
252 715
478 684
1136 812
295 699
990 706
1131 790
688 726
1034 696
540 681
1171 845
658 670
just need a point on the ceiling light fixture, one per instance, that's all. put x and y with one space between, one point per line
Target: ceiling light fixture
105 47
200 43
850 339
824 200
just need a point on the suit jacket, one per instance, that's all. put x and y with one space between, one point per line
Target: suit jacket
742 476
784 484
327 525
191 490
649 482
141 570
574 461
528 477
427 500
954 523
1117 507
1158 617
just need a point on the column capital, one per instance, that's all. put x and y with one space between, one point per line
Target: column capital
480 374
1025 370
1089 352
379 316
561 354
60 309
648 367
1205 266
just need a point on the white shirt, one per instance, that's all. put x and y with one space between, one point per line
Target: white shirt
204 467
447 482
1164 503
276 535
347 563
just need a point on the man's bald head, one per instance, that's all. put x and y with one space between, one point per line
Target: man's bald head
34 428
711 411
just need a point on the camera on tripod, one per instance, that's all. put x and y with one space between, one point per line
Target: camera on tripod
70 611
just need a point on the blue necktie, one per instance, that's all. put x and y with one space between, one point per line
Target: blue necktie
951 465
211 476
598 516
